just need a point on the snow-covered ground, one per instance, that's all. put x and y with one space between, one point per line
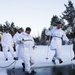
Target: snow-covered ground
40 54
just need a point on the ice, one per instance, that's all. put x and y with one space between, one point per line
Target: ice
40 54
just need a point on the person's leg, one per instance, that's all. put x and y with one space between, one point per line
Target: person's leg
26 60
58 53
74 51
5 50
23 66
32 59
17 50
12 53
31 63
54 57
0 47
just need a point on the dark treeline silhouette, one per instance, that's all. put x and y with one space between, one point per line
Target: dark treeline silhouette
12 28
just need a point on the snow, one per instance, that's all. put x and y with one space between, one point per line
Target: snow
40 54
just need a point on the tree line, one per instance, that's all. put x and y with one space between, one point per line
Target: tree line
12 28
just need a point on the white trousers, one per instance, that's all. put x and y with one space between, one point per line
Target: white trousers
5 50
27 57
57 54
17 50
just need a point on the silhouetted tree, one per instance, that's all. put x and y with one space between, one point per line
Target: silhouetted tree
1 28
43 37
12 28
37 40
69 16
54 19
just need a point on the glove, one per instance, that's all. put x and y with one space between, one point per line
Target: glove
33 47
21 41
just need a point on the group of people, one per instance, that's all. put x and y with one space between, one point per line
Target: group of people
24 44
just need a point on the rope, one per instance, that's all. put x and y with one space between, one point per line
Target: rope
7 65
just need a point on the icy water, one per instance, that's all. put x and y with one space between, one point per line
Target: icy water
40 54
56 70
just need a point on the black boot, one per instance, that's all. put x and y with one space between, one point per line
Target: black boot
15 58
27 73
6 59
60 61
33 72
74 58
23 66
53 61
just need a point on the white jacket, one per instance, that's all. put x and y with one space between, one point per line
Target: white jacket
16 37
57 36
28 40
6 39
25 48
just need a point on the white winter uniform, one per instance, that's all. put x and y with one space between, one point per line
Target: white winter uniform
7 44
26 50
15 38
56 42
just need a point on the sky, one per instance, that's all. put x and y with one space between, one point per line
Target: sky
36 14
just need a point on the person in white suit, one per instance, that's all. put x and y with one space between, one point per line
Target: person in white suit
26 45
57 36
7 44
15 38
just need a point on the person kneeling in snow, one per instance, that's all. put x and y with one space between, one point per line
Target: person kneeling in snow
57 35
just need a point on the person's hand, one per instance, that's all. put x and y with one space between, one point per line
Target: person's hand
21 41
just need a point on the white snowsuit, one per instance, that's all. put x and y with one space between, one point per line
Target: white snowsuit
56 42
26 50
7 44
15 38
